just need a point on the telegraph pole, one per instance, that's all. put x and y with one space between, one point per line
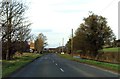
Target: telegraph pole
59 48
62 44
72 43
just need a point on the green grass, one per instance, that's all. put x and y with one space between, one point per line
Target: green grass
111 49
109 66
12 65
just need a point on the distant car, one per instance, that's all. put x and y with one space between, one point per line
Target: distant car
31 50
62 52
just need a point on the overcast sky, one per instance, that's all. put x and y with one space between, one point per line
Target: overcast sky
56 18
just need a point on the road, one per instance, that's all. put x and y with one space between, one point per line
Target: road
51 65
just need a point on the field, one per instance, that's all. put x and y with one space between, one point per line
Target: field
116 49
111 55
10 66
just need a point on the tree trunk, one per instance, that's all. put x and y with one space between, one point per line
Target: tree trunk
94 54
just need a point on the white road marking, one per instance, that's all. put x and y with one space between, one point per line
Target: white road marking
61 69
56 64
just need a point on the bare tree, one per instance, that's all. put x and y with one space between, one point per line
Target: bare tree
13 24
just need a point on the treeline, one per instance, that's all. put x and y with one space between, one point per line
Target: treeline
92 35
15 28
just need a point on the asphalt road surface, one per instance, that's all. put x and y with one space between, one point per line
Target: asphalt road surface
51 65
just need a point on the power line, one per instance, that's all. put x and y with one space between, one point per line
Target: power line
107 6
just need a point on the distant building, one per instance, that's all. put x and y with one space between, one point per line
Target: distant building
52 50
118 42
61 49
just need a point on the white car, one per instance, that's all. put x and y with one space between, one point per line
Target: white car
62 52
31 50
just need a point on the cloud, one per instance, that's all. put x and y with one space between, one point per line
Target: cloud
42 30
56 18
69 11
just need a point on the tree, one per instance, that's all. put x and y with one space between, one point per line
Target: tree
13 24
40 43
79 40
92 34
68 46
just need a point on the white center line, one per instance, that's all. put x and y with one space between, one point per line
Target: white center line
61 69
53 61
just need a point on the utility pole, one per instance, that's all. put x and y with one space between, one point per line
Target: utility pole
59 48
72 43
118 26
62 44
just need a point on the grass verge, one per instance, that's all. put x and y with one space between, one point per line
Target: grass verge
109 66
115 49
11 66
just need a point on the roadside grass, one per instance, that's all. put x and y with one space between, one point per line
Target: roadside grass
9 66
109 66
115 49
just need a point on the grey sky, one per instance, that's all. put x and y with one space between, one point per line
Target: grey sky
56 18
